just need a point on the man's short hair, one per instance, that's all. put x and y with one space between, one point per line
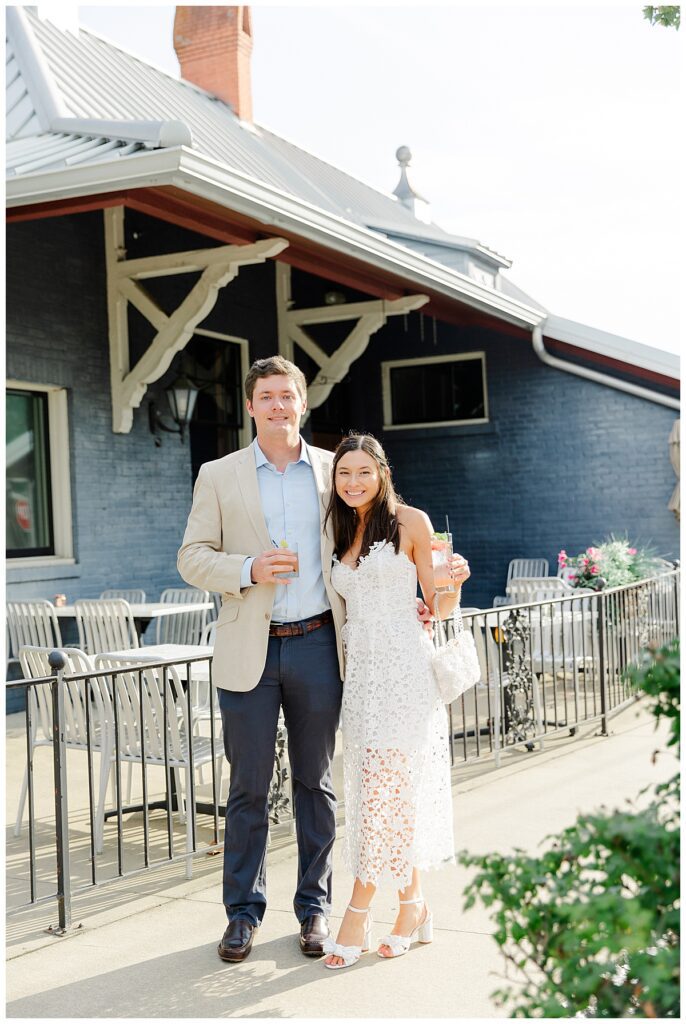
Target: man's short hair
271 366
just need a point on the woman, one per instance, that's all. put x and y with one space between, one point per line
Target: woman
395 729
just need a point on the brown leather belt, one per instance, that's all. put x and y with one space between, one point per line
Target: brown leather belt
300 628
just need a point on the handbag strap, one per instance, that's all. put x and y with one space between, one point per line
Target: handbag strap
458 625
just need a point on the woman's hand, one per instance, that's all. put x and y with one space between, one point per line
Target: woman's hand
425 617
459 568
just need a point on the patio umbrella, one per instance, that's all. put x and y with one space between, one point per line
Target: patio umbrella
675 500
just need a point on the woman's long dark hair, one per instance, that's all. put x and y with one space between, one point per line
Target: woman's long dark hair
382 521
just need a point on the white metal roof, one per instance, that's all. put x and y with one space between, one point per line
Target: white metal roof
52 150
83 115
95 78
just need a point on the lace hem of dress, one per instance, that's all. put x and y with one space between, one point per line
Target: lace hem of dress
401 881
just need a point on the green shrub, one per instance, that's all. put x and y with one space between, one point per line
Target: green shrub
591 927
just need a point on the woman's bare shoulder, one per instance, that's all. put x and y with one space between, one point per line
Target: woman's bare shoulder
415 521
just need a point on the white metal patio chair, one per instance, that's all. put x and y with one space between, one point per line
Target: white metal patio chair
35 664
186 627
132 596
208 634
142 727
32 623
522 590
522 568
105 625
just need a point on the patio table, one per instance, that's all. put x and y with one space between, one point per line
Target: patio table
200 671
143 614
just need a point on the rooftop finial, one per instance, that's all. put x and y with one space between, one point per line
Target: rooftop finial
405 191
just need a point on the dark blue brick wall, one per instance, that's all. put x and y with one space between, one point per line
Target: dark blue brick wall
128 497
563 463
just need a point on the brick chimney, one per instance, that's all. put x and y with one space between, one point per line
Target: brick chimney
213 45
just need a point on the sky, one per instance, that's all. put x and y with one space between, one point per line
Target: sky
549 133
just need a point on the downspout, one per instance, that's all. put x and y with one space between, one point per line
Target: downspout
599 378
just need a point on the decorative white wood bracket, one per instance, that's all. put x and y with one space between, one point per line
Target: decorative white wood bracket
217 267
370 316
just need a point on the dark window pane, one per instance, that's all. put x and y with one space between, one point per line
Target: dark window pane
28 516
436 392
215 366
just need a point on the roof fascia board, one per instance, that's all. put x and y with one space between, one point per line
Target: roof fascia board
211 180
208 179
45 96
140 170
205 178
616 347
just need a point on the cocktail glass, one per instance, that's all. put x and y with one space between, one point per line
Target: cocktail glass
441 554
289 549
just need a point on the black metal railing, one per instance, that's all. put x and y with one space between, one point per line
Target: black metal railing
554 665
141 715
547 666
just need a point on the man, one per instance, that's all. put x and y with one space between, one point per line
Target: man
277 644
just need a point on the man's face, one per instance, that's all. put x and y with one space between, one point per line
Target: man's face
276 407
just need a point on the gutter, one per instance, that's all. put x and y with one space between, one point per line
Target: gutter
594 375
277 210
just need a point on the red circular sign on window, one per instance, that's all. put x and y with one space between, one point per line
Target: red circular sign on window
23 513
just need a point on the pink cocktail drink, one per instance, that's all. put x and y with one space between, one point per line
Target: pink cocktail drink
441 555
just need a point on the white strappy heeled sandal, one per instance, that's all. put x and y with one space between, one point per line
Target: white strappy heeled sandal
349 954
399 944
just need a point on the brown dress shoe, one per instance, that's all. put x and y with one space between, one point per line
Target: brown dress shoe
313 930
237 940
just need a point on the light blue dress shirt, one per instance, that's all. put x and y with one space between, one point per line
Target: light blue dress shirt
290 503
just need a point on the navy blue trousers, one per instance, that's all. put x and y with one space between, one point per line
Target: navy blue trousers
302 675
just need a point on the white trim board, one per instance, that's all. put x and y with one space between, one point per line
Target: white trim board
60 478
390 364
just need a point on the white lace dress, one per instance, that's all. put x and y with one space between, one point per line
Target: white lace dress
396 761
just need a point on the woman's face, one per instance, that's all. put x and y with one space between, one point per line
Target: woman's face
358 480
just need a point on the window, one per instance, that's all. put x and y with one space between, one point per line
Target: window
37 490
439 391
217 363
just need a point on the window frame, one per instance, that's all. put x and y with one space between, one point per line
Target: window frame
390 364
245 433
60 477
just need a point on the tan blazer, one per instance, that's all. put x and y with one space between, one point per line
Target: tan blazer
226 524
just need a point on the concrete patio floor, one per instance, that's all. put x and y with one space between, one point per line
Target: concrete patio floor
147 946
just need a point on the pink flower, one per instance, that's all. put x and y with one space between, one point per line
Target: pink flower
594 552
562 558
572 578
585 561
595 570
631 551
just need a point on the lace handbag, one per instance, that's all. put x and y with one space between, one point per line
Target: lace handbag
455 662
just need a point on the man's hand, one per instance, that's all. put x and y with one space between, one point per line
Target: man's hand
425 617
266 566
